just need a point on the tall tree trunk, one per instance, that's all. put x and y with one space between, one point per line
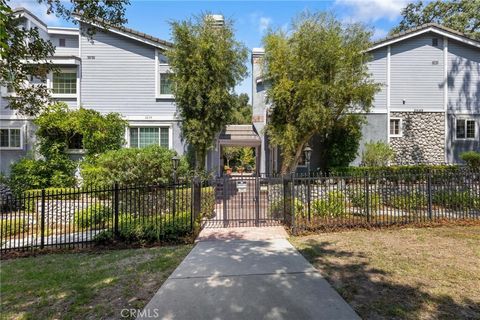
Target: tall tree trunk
200 152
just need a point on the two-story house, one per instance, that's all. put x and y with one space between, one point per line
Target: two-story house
428 108
117 70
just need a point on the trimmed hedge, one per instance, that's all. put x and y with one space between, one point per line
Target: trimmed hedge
333 205
149 229
456 199
96 216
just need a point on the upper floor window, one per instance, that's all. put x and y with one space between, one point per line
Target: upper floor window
65 82
465 129
435 42
61 42
10 138
395 127
144 136
165 83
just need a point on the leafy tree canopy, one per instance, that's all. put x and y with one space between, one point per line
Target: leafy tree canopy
207 62
318 79
460 15
242 113
18 44
59 127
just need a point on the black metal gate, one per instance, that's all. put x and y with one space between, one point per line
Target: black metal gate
247 201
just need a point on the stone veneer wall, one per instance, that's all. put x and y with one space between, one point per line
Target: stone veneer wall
423 139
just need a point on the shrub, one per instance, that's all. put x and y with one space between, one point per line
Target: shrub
472 158
96 216
456 199
377 154
415 200
333 205
357 199
11 227
154 228
29 173
98 133
104 237
132 166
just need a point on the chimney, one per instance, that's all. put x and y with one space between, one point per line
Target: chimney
218 20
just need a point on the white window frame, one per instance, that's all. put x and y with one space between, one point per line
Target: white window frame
400 128
150 125
159 69
465 119
63 95
21 138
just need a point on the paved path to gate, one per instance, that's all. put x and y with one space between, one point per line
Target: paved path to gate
246 273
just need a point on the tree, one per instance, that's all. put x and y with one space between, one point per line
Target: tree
242 113
207 62
230 152
460 15
319 82
18 44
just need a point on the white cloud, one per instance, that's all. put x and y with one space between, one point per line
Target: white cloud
260 21
372 10
38 9
379 34
264 23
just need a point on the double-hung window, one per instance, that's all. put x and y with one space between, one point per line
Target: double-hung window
396 127
65 82
465 129
144 136
10 138
165 84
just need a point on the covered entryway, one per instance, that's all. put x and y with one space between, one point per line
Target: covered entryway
244 199
239 135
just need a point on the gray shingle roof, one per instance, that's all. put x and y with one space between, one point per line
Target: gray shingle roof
419 28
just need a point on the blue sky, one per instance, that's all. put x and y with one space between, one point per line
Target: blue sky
252 18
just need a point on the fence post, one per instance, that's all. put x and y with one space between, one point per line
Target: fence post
367 196
224 194
196 197
292 204
42 221
115 208
429 190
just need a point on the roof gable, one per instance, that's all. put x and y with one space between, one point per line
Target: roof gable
130 33
431 27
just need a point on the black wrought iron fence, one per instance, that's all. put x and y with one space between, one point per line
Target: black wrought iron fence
77 217
383 198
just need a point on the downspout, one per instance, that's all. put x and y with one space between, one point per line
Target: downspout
445 95
388 93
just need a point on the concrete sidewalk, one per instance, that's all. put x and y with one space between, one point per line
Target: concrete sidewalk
246 276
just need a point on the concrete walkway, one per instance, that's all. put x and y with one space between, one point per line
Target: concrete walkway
246 273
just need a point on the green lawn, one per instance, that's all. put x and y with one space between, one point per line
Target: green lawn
84 285
414 273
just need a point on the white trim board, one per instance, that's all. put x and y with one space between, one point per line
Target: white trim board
426 30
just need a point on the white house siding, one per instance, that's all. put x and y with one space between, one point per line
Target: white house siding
71 44
118 75
7 157
463 95
463 78
417 74
378 70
